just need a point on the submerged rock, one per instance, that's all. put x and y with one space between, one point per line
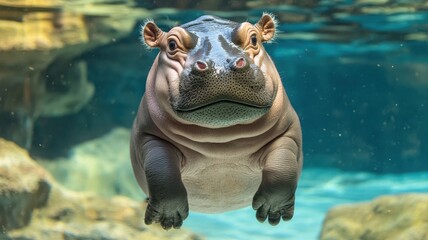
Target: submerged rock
101 166
387 217
24 186
34 206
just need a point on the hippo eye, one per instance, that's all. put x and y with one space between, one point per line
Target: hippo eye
172 45
254 40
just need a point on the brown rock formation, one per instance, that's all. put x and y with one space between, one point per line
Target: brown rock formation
34 206
23 186
388 217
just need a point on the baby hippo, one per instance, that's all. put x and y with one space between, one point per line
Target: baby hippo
215 130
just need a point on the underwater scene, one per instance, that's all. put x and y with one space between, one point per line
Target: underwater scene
79 155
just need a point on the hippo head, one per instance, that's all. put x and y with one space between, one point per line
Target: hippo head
217 71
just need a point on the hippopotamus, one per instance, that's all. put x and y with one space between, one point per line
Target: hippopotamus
215 130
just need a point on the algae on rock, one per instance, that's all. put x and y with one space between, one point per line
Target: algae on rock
387 217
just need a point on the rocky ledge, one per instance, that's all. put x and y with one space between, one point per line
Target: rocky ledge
34 206
387 217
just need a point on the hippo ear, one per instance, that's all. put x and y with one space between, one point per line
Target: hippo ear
267 27
152 34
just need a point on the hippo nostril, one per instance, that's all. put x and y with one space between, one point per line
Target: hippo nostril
239 63
201 66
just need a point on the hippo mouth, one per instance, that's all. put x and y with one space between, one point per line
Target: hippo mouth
220 102
223 113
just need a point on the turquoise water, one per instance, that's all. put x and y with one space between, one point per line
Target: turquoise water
319 190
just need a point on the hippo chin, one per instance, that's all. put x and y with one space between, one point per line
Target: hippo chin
215 130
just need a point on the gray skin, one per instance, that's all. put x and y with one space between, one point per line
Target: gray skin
215 130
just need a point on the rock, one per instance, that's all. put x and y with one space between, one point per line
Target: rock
101 166
387 217
24 186
34 206
42 43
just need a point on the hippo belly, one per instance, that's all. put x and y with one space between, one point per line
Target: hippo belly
220 187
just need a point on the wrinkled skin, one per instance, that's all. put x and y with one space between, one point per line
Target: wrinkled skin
215 130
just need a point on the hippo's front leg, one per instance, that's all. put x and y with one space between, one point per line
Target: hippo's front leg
282 165
167 195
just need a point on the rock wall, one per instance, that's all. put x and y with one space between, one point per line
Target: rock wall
34 206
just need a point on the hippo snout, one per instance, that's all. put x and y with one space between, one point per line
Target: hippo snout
237 82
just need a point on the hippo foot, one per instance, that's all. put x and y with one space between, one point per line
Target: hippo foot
273 206
169 214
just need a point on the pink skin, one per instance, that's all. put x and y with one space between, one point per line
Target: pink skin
182 165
